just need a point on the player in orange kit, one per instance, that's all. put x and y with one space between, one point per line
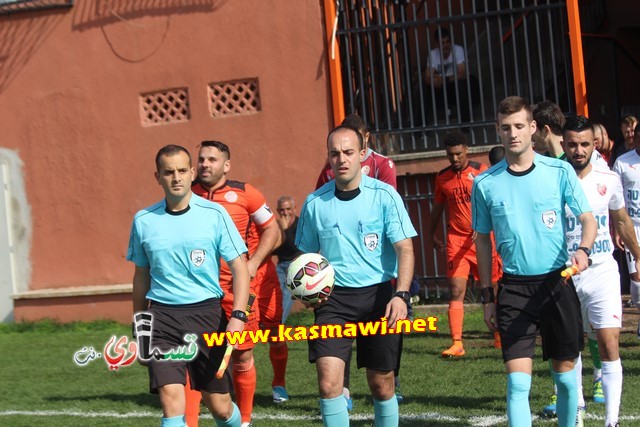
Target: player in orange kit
453 190
256 224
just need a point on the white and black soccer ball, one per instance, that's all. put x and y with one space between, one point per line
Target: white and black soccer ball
310 278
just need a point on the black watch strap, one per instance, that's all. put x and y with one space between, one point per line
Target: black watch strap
584 249
404 295
239 314
486 295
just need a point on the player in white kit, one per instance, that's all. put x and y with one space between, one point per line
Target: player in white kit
628 167
598 286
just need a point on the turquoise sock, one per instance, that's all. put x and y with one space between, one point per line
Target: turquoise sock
567 404
595 355
334 412
518 411
233 421
173 421
386 412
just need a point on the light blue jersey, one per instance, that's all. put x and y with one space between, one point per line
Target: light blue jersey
526 213
183 250
357 235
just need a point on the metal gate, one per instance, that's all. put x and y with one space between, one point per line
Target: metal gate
511 47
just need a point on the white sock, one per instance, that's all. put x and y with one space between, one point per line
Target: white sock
578 368
612 388
597 374
635 293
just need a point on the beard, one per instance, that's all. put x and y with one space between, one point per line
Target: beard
580 167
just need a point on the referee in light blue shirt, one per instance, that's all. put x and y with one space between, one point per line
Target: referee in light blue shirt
522 199
361 226
176 246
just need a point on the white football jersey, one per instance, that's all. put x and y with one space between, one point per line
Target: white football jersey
604 192
598 161
627 166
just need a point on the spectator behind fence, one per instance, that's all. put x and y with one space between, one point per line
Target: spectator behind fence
446 75
625 141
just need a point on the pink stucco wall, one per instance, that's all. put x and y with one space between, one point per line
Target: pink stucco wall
70 82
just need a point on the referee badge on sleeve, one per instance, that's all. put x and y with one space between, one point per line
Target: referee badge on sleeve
549 218
371 241
197 257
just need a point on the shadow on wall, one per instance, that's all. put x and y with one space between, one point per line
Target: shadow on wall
21 35
89 14
124 16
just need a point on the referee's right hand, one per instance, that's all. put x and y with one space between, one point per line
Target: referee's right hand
490 316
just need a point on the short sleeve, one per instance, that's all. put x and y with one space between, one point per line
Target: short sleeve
574 197
228 240
307 239
481 219
617 199
259 211
387 172
459 55
136 253
398 224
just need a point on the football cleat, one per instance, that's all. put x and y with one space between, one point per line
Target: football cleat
598 394
456 350
279 394
549 411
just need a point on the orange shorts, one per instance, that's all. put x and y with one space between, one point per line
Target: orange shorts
462 259
266 310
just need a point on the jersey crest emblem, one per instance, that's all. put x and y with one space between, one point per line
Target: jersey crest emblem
602 189
390 164
231 196
197 257
371 241
471 176
365 170
549 218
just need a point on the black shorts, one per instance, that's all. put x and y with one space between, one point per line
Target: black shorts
170 324
544 303
351 305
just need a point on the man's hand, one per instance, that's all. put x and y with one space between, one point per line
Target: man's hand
252 266
581 260
315 304
396 310
490 316
617 240
437 81
235 325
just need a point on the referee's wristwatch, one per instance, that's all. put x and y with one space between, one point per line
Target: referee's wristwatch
404 296
585 249
240 315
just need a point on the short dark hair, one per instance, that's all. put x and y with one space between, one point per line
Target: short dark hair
221 146
513 104
577 124
343 127
355 121
171 150
496 154
547 113
441 32
455 137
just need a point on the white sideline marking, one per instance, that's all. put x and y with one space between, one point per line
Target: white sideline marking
475 421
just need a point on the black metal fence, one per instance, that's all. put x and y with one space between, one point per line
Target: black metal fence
390 71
